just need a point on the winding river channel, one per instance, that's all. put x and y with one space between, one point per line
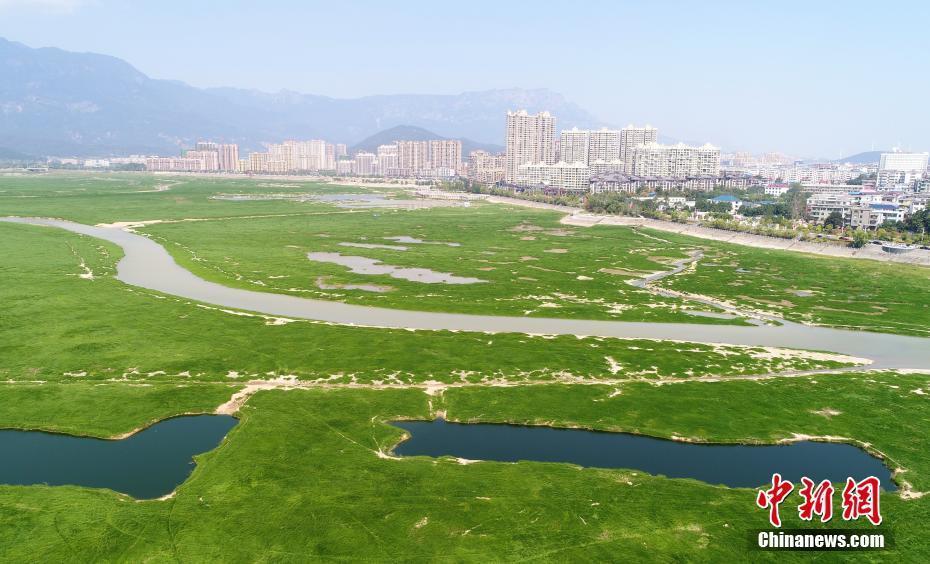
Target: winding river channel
147 264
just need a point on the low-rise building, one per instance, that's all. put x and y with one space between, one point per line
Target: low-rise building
613 181
568 177
874 215
734 202
776 190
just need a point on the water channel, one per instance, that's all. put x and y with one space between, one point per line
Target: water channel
147 264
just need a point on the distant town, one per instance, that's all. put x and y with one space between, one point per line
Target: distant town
577 164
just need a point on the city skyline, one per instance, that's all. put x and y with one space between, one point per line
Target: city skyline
745 87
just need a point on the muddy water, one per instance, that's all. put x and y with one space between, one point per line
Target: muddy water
738 466
363 265
147 264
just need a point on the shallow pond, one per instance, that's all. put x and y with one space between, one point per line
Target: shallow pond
148 464
742 466
363 265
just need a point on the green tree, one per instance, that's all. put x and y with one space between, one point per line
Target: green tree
795 201
859 238
834 220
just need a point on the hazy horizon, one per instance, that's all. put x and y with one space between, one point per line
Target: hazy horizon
808 80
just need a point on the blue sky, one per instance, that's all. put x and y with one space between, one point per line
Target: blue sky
815 78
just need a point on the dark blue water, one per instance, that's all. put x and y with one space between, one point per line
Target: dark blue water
738 466
148 464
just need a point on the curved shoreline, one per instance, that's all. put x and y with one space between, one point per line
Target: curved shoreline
148 265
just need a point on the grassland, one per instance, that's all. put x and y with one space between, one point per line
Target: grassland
300 478
59 326
104 409
533 265
866 295
529 264
105 198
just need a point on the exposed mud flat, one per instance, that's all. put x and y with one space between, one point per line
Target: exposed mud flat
529 227
322 282
374 246
803 293
363 265
710 314
147 264
415 241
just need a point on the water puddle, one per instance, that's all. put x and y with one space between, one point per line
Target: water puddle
415 241
736 466
363 265
146 465
374 246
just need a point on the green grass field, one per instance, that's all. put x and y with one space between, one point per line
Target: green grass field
59 326
866 295
531 263
300 477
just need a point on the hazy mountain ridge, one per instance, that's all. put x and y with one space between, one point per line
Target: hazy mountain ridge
413 133
62 103
866 157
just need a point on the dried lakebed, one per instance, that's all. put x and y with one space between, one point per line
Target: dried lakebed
145 465
147 264
733 465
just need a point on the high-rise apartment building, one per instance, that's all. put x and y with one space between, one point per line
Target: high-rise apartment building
329 161
529 141
258 162
209 159
604 145
445 154
366 164
675 161
485 167
206 146
283 155
345 167
573 146
228 157
589 146
632 137
387 159
412 157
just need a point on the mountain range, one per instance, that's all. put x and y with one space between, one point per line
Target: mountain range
56 102
413 133
867 157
